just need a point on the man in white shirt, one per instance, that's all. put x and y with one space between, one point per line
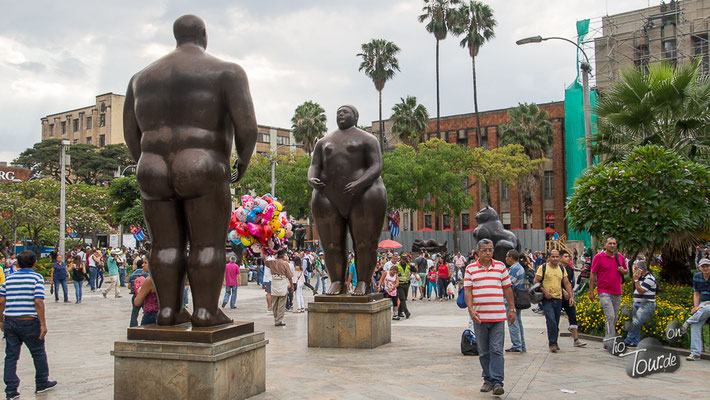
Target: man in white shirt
392 261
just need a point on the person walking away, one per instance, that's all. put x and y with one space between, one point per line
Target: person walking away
570 309
700 311
608 269
147 298
307 268
421 264
321 273
266 285
299 279
142 270
517 281
645 288
112 277
22 307
99 259
120 257
390 282
78 275
58 275
414 284
553 278
231 283
403 287
486 287
281 281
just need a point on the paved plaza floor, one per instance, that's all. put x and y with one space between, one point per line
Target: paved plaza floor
422 362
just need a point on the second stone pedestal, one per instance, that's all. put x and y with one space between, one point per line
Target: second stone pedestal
349 322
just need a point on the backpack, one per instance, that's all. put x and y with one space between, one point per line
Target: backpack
469 346
309 265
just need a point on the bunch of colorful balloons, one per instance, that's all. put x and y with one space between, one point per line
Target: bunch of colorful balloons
260 225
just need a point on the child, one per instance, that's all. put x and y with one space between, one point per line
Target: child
431 276
414 283
390 283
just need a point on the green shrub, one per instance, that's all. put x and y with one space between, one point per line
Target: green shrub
44 267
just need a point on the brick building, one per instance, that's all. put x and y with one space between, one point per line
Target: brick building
549 202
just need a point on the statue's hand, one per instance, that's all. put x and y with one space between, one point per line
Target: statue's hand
316 183
239 173
352 188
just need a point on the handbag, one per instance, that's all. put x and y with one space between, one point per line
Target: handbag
461 299
469 345
521 298
279 285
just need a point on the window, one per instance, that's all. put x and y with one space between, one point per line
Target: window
446 221
462 138
505 219
700 51
75 125
264 137
102 107
283 140
504 192
102 140
88 140
102 119
51 129
64 127
642 56
76 141
427 221
405 222
88 122
465 221
484 138
548 187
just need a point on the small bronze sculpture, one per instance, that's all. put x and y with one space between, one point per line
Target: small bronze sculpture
490 227
429 245
179 118
348 195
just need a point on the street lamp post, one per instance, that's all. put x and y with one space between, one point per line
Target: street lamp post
586 70
119 174
272 158
63 161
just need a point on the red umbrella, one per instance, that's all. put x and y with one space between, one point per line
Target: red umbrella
549 231
448 229
517 229
389 244
425 230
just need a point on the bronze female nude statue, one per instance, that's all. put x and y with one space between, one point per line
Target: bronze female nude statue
348 195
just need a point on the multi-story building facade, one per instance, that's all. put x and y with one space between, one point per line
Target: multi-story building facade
98 124
549 202
673 32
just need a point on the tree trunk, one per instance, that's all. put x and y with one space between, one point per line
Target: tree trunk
675 266
438 108
455 230
382 125
479 137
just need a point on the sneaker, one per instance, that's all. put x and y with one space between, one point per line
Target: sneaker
498 390
553 349
280 324
224 304
395 318
48 385
692 357
13 395
512 350
556 347
486 387
579 343
103 294
684 328
408 315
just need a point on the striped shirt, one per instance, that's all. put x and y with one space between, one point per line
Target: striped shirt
20 291
487 290
648 283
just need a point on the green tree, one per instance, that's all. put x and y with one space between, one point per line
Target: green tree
292 188
409 120
125 202
529 127
380 63
652 200
668 106
438 15
308 124
257 179
401 175
474 20
42 159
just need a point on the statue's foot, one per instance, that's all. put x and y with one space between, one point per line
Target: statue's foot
203 318
335 287
167 316
183 317
360 289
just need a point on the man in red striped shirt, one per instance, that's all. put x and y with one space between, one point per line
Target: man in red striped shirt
486 284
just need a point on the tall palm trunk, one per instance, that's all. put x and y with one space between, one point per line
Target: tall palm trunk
382 124
479 137
438 113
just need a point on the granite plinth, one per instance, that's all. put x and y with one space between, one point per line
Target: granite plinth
347 298
363 325
230 369
187 333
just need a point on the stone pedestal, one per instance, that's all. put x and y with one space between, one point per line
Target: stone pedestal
234 368
243 277
362 322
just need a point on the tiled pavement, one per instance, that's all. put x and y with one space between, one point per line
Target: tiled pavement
422 362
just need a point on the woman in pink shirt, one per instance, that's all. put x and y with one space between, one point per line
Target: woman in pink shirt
231 283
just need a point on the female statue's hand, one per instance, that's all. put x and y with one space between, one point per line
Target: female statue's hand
352 188
316 183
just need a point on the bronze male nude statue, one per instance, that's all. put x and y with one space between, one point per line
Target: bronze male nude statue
179 118
348 195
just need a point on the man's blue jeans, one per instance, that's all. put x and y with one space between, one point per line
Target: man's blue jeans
230 290
134 313
643 312
696 322
122 277
63 284
260 275
93 273
320 281
517 334
552 309
18 331
491 338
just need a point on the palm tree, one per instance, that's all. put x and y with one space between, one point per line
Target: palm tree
308 124
668 106
379 63
439 15
409 119
529 127
475 22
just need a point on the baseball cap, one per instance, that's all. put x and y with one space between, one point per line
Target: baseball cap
704 261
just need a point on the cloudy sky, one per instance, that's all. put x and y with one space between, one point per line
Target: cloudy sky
58 55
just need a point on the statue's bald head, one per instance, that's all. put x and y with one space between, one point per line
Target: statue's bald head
190 29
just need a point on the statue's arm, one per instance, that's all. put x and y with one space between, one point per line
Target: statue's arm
241 111
316 166
373 159
131 131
